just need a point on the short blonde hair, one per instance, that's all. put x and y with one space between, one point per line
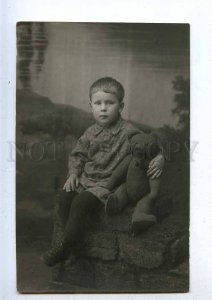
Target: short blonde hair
107 85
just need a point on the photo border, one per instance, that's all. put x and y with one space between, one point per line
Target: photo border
197 14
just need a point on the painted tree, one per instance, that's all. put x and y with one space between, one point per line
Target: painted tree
182 103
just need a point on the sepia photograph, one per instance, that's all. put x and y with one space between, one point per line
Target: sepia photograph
102 157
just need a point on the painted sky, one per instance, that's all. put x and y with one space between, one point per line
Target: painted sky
145 58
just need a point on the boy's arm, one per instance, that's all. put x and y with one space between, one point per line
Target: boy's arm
157 163
156 166
78 157
154 150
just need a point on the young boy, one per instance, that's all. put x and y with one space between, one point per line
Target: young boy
97 153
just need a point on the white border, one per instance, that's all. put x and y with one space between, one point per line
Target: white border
198 14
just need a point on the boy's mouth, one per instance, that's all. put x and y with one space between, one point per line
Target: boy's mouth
103 116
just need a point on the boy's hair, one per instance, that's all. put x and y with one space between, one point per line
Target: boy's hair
107 85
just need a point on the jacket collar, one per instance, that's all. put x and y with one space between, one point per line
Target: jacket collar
115 128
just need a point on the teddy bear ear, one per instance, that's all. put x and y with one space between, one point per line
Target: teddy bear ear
142 138
152 150
148 142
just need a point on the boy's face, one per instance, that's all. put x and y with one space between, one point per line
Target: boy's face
106 108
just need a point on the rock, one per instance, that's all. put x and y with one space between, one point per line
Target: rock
160 281
121 222
101 245
65 287
114 277
168 230
141 252
179 249
79 273
181 270
115 262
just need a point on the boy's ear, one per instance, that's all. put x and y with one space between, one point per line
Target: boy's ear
121 106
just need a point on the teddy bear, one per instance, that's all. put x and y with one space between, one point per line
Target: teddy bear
129 183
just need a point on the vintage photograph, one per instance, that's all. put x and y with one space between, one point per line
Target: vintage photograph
102 157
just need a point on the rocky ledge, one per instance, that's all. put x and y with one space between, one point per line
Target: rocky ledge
114 261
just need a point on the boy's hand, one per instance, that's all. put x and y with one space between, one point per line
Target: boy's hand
156 166
71 183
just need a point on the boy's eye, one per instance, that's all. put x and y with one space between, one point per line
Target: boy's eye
109 102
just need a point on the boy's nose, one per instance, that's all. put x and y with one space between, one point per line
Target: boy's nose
103 107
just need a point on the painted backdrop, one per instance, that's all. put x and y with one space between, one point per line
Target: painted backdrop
65 58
